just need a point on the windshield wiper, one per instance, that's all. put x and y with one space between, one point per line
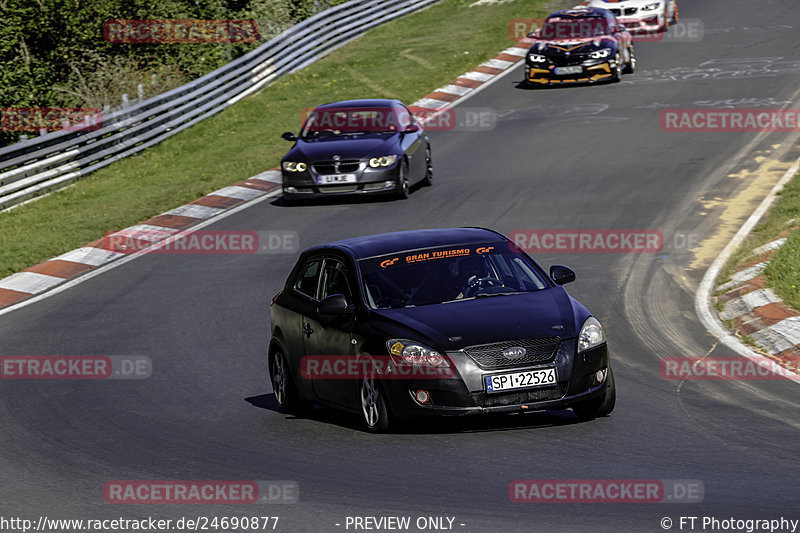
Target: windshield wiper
487 295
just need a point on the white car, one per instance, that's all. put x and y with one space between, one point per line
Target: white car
641 15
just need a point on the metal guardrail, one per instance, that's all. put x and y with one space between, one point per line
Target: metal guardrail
38 166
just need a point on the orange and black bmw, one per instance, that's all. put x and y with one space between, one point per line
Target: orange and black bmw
581 45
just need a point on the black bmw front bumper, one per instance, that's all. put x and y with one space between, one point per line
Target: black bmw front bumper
368 181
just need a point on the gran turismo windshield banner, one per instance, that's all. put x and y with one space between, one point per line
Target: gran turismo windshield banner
389 262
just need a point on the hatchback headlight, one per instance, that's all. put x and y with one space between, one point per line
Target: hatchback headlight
651 7
537 58
599 54
292 166
591 335
384 161
414 353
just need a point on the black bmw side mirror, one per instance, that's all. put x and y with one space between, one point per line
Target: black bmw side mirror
562 274
289 136
335 304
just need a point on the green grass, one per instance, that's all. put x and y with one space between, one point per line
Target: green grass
405 59
783 272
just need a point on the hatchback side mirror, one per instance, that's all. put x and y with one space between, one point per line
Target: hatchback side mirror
289 136
411 128
562 274
335 304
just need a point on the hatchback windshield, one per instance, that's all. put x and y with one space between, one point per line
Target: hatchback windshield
445 275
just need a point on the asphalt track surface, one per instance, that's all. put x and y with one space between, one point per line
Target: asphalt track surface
581 157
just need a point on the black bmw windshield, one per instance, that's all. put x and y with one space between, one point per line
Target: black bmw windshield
445 275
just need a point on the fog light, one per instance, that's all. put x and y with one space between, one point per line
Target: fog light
422 396
600 376
290 189
388 184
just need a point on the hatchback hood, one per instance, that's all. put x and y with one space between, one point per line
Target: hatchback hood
452 326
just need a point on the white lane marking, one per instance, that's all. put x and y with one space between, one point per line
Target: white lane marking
195 211
89 255
30 282
702 301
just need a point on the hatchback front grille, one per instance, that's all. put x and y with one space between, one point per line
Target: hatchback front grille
337 167
616 12
631 10
483 399
536 351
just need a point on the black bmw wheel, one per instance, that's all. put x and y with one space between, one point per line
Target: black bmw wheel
402 182
600 406
617 72
284 388
428 167
630 66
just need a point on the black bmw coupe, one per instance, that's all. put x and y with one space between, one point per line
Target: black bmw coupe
361 147
434 322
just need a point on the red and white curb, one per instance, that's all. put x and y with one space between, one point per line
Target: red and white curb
469 83
59 270
756 311
56 271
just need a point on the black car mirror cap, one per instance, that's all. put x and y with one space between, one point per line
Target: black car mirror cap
561 274
335 304
289 136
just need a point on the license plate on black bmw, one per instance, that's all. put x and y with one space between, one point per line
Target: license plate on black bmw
524 379
564 71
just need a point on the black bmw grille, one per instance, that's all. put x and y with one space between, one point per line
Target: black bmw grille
336 167
483 399
616 12
491 355
631 10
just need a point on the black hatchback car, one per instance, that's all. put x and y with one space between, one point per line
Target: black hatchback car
434 322
357 147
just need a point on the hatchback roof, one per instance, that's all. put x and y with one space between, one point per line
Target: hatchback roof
401 241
